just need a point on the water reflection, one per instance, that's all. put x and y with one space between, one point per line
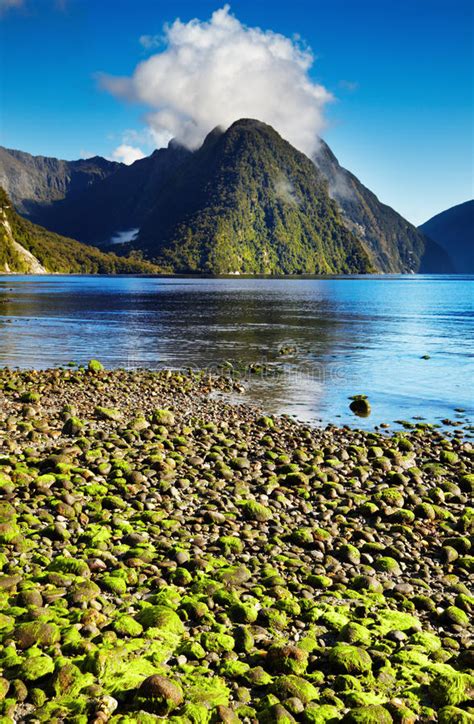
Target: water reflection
351 335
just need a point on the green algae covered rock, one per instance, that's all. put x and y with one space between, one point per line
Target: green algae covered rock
107 413
36 667
35 633
163 417
126 625
69 679
287 686
256 511
9 532
350 659
73 426
354 633
287 659
217 642
161 617
84 592
320 713
456 616
67 564
114 584
360 406
454 715
95 366
450 688
159 694
375 714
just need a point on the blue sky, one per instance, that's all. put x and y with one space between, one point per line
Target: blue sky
400 72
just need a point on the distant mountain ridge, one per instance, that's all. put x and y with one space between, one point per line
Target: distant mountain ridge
26 248
33 183
396 245
246 201
453 230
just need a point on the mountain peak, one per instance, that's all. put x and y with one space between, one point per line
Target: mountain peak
251 123
248 202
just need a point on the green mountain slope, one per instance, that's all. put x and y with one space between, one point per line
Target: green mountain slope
396 245
248 202
453 230
29 249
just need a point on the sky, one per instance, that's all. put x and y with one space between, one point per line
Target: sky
387 83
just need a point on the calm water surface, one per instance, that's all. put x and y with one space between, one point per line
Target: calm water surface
351 335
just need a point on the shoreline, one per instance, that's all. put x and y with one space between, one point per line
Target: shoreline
256 568
389 276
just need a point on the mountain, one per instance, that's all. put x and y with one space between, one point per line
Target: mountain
35 183
453 230
245 201
29 249
248 202
396 245
90 199
120 202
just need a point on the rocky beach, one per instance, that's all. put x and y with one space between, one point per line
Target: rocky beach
169 556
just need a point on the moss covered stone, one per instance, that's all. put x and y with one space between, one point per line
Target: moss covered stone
95 366
449 688
126 625
350 659
35 633
454 715
107 413
114 584
291 685
163 417
161 617
287 659
375 714
456 616
355 633
36 667
159 694
256 511
217 642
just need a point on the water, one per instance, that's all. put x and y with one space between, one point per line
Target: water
351 335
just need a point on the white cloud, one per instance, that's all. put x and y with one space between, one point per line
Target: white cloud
285 191
127 154
215 72
124 237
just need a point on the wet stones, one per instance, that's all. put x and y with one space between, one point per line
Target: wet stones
261 569
160 694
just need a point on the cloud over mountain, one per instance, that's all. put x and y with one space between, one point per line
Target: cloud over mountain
127 154
214 72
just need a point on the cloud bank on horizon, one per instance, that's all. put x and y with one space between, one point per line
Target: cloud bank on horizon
211 73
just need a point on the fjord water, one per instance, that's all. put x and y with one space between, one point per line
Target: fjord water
343 336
